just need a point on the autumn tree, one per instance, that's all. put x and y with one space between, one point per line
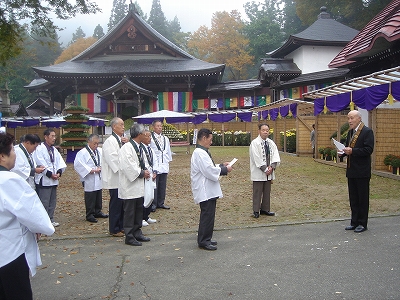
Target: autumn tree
118 12
355 14
98 32
76 48
18 17
264 28
223 43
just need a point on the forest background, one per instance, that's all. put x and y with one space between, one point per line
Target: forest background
28 37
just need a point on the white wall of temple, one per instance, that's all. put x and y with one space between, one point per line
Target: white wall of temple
311 59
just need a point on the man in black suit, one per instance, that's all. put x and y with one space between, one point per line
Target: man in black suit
359 147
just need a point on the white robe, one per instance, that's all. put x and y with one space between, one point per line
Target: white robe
110 163
204 177
21 216
257 159
164 156
130 185
83 164
41 157
22 166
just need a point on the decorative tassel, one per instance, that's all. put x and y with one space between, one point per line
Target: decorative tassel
325 107
391 99
351 105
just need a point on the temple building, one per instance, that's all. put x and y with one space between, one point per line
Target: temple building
130 71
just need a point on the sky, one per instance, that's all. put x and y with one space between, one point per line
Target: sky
191 14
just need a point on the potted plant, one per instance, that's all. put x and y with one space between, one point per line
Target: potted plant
396 164
327 153
321 152
388 160
333 154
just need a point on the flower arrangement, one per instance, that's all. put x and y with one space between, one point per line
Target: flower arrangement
171 132
290 140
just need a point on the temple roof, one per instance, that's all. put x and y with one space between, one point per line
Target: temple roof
375 37
323 32
235 85
125 83
273 67
132 48
312 78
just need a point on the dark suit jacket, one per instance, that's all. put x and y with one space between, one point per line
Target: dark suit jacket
359 162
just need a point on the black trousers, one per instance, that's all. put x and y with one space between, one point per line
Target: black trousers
159 193
14 280
133 216
115 212
206 223
93 203
359 200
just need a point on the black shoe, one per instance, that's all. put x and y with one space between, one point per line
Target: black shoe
350 227
143 238
360 228
208 247
214 243
92 220
267 213
256 215
134 243
101 215
163 207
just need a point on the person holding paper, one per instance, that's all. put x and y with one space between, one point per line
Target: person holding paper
264 158
359 147
204 175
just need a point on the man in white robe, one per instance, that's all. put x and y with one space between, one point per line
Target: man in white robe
22 220
132 172
264 158
25 166
204 175
87 165
110 175
151 163
47 182
162 148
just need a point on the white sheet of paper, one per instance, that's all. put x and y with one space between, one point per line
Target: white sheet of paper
338 145
232 161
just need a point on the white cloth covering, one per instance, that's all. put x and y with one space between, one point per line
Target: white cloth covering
83 164
21 216
204 177
257 159
41 157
